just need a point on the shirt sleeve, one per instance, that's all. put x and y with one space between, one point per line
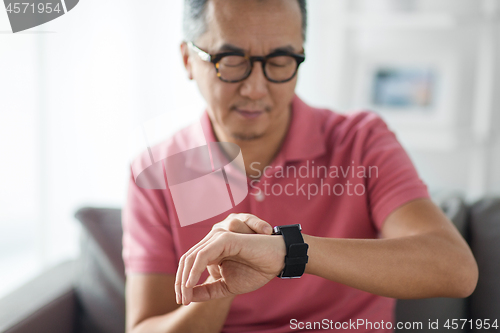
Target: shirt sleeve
394 180
147 236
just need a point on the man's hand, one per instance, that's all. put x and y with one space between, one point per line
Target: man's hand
244 224
246 262
239 223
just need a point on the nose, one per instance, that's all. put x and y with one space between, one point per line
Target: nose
255 86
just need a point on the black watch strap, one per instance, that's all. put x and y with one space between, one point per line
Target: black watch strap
296 251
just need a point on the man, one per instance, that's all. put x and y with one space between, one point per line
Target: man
371 237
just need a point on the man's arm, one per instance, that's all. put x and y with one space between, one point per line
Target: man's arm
151 308
421 255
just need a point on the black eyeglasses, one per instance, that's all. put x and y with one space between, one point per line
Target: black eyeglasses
278 67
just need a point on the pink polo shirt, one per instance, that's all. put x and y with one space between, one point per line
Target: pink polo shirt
337 175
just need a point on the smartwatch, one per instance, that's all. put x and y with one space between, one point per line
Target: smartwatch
296 251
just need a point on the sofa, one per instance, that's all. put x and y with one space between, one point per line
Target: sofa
87 295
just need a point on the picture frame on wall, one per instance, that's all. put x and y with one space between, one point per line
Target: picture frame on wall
404 88
407 88
413 92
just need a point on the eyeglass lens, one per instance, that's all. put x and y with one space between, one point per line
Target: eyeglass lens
278 68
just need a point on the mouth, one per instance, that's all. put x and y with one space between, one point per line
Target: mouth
249 114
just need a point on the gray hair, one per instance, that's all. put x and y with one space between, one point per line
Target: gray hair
194 23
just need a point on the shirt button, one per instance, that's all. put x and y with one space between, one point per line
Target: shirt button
259 196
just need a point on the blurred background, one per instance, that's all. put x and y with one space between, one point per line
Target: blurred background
73 91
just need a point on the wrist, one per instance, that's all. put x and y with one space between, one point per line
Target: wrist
309 240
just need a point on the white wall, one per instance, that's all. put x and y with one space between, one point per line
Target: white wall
19 186
106 71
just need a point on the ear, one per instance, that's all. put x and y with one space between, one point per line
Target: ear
186 60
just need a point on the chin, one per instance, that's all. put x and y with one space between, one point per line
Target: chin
242 136
246 131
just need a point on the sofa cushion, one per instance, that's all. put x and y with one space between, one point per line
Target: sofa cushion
485 243
438 308
100 284
456 210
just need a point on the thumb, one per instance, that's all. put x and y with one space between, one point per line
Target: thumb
209 291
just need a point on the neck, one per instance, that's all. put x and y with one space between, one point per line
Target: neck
260 152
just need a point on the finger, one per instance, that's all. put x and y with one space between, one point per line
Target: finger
180 269
236 223
178 281
208 291
186 292
189 258
258 225
213 252
189 261
247 224
178 275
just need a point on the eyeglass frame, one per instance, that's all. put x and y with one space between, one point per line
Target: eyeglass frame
215 58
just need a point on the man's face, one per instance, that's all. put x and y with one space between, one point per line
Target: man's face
254 107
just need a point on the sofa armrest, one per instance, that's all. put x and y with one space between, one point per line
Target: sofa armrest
485 244
47 303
